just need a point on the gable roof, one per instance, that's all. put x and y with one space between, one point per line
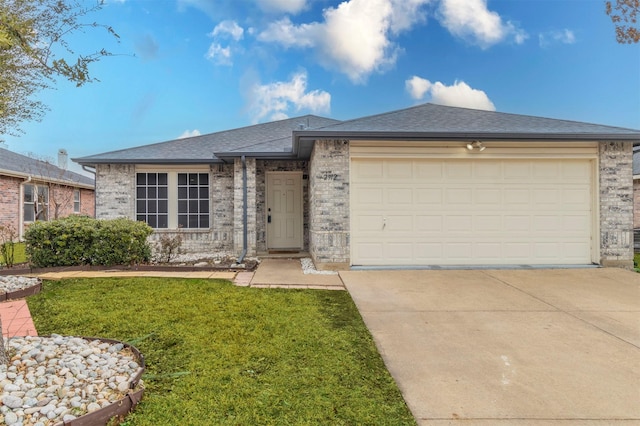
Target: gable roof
275 136
22 166
293 138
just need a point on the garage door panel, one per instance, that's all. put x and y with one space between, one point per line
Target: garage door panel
438 212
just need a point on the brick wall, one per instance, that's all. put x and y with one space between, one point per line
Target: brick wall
616 204
238 197
636 204
10 201
115 191
329 204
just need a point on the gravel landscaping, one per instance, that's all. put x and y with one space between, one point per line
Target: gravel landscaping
57 379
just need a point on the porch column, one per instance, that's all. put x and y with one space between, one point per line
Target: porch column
238 207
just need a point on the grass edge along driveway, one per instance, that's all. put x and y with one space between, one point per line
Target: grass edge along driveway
220 354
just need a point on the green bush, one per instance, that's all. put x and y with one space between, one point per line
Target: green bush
81 240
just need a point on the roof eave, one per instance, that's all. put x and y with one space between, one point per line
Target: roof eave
94 161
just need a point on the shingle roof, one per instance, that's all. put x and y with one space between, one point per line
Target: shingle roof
294 136
20 165
275 136
430 119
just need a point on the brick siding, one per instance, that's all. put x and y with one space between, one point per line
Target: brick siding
616 204
329 204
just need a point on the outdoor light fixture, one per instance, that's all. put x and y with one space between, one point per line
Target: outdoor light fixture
476 145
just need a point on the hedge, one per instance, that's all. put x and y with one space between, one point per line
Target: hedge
81 240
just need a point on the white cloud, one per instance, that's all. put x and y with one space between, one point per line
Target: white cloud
417 87
272 101
189 134
230 28
460 94
284 6
473 21
219 55
355 36
565 36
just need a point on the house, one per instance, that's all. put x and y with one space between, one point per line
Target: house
636 196
32 190
426 185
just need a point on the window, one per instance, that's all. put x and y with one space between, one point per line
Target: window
152 199
173 199
193 200
35 203
76 201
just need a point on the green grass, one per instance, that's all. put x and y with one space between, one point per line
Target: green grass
19 255
222 355
636 261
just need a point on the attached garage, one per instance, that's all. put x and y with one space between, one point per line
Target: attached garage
443 204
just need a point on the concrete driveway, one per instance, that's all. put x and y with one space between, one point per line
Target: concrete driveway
516 347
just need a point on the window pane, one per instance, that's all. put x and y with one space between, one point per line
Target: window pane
182 220
193 192
141 206
193 221
182 179
28 213
182 193
141 192
193 206
182 206
152 221
193 178
162 192
204 221
151 179
163 206
162 179
28 193
152 193
204 192
141 218
141 179
151 206
204 179
204 206
163 221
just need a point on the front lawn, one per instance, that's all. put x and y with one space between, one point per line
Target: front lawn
19 255
636 261
220 354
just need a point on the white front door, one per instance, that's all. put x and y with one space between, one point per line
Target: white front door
284 210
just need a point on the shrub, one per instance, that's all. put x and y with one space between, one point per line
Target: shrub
121 241
81 240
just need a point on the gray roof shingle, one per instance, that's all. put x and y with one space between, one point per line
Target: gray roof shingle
439 119
22 165
281 138
275 136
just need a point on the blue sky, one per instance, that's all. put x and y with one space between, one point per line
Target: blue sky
191 67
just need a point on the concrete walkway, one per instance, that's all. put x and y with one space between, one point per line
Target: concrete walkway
509 347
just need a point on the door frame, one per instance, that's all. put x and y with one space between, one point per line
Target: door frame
298 175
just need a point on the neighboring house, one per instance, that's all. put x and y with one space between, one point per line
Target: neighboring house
636 196
427 185
32 190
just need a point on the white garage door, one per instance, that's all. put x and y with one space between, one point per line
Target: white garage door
471 211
